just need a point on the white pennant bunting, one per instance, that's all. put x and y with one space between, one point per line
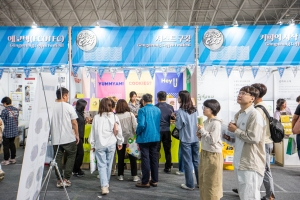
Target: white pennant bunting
152 72
229 70
191 69
268 71
113 72
26 72
87 71
178 70
164 71
202 69
138 72
75 69
13 72
1 73
241 70
294 70
101 71
281 71
254 71
215 70
126 73
52 69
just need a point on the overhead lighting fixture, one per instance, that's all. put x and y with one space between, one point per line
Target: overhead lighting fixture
34 25
165 25
235 23
279 23
292 22
97 25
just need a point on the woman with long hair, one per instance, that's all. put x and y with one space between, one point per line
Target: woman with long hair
134 103
281 109
186 123
128 124
103 141
80 107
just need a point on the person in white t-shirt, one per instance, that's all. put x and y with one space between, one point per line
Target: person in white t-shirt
64 135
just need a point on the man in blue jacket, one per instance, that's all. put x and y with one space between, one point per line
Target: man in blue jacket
148 138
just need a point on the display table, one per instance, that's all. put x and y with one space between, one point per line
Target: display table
282 158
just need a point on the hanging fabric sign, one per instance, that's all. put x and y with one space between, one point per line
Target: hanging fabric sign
281 71
52 69
126 73
75 69
101 71
254 71
1 73
26 72
229 70
152 72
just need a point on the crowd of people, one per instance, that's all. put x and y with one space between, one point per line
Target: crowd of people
119 120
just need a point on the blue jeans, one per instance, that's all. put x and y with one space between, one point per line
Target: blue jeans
298 144
180 162
190 158
105 156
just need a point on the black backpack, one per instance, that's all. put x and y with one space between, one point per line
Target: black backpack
276 128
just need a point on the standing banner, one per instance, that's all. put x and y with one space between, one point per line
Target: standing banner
37 139
172 84
107 86
265 45
133 46
25 46
140 86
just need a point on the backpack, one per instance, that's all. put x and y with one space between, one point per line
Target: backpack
276 128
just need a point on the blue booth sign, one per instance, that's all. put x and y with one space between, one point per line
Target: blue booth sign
249 45
25 46
133 46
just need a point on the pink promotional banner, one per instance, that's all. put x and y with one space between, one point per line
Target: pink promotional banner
107 86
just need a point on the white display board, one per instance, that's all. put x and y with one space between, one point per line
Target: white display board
37 138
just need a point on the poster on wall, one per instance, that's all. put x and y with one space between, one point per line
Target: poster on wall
37 139
264 45
107 86
141 86
172 85
133 46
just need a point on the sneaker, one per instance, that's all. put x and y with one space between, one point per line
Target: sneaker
5 162
167 171
67 183
104 190
179 173
153 184
79 174
59 184
136 178
121 178
113 172
12 161
2 174
183 186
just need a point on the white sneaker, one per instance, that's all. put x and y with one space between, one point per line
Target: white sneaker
179 173
136 178
104 190
183 186
2 174
121 178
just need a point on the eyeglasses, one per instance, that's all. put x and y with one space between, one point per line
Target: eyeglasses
242 93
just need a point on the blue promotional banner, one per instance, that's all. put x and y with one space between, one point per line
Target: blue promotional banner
249 45
133 46
26 46
172 84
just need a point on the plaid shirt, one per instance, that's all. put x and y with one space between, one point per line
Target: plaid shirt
10 117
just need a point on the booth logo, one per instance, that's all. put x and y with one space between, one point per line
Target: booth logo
86 40
213 39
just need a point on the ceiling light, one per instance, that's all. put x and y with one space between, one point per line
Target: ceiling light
292 22
235 23
165 25
34 25
279 23
97 25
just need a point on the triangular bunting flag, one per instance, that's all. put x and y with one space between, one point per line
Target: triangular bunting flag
87 71
52 69
268 71
281 71
26 72
113 72
178 70
202 69
126 73
229 70
164 71
75 69
294 70
1 73
101 71
254 71
241 70
191 69
152 72
138 72
215 70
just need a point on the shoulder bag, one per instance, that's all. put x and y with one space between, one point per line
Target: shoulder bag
296 128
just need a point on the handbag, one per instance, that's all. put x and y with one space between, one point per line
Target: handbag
132 148
292 146
296 128
175 133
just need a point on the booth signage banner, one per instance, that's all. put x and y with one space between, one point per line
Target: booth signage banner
171 84
107 86
133 46
268 45
26 46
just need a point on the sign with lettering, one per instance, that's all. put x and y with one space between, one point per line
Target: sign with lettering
25 46
107 86
133 46
267 45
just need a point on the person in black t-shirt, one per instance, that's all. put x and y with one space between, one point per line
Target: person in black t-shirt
295 118
167 112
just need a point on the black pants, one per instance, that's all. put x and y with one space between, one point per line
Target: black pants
165 138
121 157
79 156
149 157
9 145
